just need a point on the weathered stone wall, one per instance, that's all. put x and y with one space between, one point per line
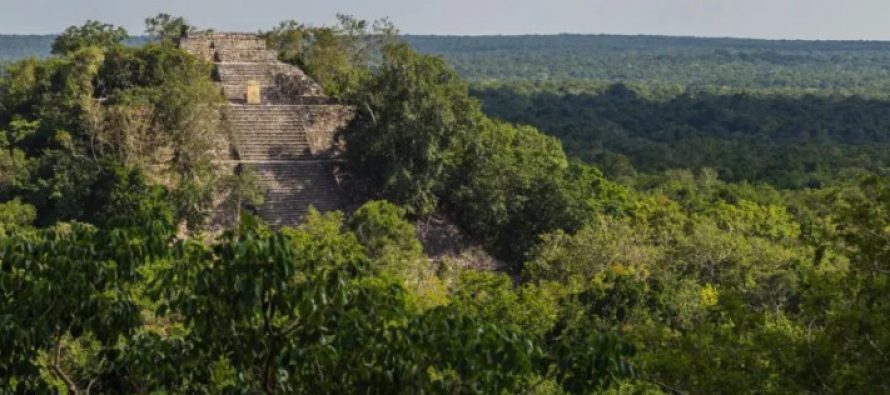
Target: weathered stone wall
327 122
296 84
227 47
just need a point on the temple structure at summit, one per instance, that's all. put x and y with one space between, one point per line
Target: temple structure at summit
282 125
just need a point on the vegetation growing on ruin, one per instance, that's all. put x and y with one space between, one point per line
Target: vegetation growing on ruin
98 109
675 281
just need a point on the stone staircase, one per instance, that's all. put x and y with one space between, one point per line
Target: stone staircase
293 186
288 138
269 132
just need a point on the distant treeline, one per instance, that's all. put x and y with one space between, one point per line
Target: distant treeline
846 67
839 66
15 47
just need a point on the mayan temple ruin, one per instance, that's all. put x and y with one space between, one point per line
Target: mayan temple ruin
282 125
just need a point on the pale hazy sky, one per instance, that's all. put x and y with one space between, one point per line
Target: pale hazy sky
796 19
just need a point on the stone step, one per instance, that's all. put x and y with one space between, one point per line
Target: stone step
273 109
269 116
285 85
283 130
272 96
260 155
259 119
297 196
270 146
263 112
292 187
243 79
299 199
288 131
323 202
293 146
280 127
241 55
274 168
292 131
285 175
273 150
256 145
231 40
285 122
239 89
260 138
263 73
298 108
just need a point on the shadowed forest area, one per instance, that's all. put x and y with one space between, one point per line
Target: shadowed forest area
786 141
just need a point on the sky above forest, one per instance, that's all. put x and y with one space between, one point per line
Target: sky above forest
790 19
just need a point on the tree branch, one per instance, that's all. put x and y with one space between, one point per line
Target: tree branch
56 368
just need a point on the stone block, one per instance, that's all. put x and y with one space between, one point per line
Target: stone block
253 94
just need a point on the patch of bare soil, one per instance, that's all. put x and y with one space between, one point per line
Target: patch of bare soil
445 243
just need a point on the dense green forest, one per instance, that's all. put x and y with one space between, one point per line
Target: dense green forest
786 141
843 66
658 274
789 113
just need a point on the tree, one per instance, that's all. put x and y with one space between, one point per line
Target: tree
852 351
515 184
167 28
337 57
387 236
412 114
16 217
65 284
493 298
299 311
90 34
15 166
391 243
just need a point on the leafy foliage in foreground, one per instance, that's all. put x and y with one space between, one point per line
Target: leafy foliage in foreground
127 309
